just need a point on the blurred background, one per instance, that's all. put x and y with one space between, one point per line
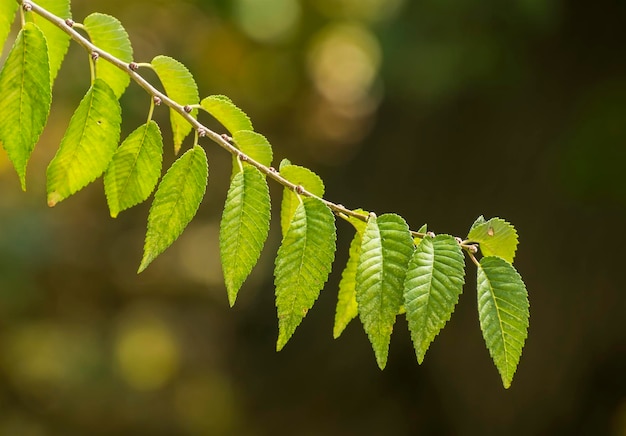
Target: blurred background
439 110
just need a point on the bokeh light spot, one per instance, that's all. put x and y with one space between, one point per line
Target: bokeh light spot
267 20
344 60
147 353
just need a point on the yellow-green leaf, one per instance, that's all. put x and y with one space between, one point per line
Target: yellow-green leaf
176 202
181 87
88 144
26 93
135 168
224 111
299 176
108 34
347 307
496 238
7 16
58 40
244 227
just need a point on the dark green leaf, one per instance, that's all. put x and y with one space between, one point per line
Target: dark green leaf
244 227
432 287
503 313
176 202
88 145
303 263
385 252
135 168
26 96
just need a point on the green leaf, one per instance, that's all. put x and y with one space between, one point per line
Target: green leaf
303 263
496 238
224 111
244 227
7 16
58 41
480 220
432 287
385 252
347 308
253 145
135 168
26 96
107 33
88 144
503 313
299 176
181 87
176 202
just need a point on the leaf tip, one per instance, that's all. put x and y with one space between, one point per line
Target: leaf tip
53 198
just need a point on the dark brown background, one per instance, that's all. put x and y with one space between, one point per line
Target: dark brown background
513 109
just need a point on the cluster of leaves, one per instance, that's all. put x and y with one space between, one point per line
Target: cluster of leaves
391 270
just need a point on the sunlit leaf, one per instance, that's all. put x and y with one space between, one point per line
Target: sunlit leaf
181 87
432 287
58 40
385 252
254 145
7 16
303 263
503 313
347 308
299 176
244 227
135 168
224 111
108 34
496 238
88 145
176 202
26 96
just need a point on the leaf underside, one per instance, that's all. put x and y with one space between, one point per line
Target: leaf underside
135 168
503 313
107 33
26 97
303 263
88 144
433 283
176 202
385 252
244 227
181 87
